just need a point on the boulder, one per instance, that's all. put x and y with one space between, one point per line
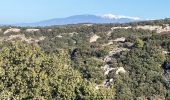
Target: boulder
94 38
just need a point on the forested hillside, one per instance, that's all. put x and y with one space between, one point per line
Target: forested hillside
86 62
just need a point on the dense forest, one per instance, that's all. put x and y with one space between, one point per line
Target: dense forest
85 62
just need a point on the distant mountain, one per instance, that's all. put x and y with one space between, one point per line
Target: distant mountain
107 18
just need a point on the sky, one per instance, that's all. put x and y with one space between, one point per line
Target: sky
27 11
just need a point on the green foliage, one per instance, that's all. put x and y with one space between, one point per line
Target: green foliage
144 72
28 73
46 71
139 43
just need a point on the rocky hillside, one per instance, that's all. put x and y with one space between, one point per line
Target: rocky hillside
86 62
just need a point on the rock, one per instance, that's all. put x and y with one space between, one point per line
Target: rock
108 71
111 80
97 87
109 33
128 44
73 33
107 59
94 38
165 52
105 67
59 36
122 39
42 38
149 27
158 29
120 70
49 30
113 28
110 43
15 30
32 30
23 38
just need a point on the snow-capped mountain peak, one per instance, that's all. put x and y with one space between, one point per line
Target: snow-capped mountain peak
111 16
76 19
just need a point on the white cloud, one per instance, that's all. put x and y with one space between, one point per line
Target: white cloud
111 16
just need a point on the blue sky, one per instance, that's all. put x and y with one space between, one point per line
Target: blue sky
18 11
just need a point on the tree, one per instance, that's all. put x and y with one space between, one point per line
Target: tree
26 72
139 43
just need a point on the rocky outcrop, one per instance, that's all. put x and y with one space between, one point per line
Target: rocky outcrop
94 38
128 27
15 30
49 30
108 69
109 33
32 30
165 52
149 27
120 70
22 38
158 29
122 39
59 36
107 59
41 38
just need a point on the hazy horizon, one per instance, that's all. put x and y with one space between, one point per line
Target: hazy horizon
19 11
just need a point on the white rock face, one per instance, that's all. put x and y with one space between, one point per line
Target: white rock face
122 39
149 27
32 30
59 36
105 67
113 28
42 38
120 70
158 29
49 30
94 38
73 33
97 87
16 30
0 30
108 71
23 38
165 52
109 33
110 43
20 36
107 59
111 80
165 29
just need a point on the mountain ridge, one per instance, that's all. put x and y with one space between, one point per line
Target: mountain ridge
88 18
